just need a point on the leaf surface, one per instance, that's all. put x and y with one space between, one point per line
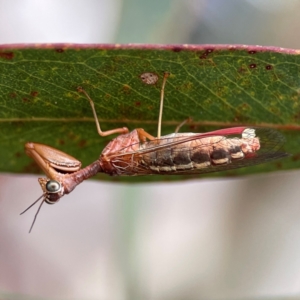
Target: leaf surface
216 86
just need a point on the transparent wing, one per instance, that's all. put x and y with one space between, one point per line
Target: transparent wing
271 144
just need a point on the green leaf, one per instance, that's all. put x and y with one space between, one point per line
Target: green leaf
217 86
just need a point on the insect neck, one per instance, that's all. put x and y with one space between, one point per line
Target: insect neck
70 181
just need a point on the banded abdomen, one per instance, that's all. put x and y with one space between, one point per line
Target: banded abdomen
178 152
195 154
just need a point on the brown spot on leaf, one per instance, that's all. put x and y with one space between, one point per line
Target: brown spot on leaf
126 89
7 55
269 67
18 154
25 99
149 78
297 116
206 60
107 96
82 143
252 66
12 95
59 50
252 52
275 110
61 142
244 107
242 70
177 49
206 53
193 127
137 103
34 93
240 118
296 157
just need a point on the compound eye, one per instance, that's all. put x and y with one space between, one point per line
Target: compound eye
53 186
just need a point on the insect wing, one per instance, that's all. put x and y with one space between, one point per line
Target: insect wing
162 153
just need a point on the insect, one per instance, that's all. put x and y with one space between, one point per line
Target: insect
139 153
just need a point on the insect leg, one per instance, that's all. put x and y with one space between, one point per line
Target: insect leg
143 135
162 93
188 120
51 160
42 163
102 133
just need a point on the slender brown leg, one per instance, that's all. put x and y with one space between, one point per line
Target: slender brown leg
102 133
182 123
162 94
143 135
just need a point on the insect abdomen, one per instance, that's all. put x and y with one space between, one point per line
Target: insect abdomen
195 154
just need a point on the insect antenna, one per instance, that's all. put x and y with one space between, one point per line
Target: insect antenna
162 94
35 216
